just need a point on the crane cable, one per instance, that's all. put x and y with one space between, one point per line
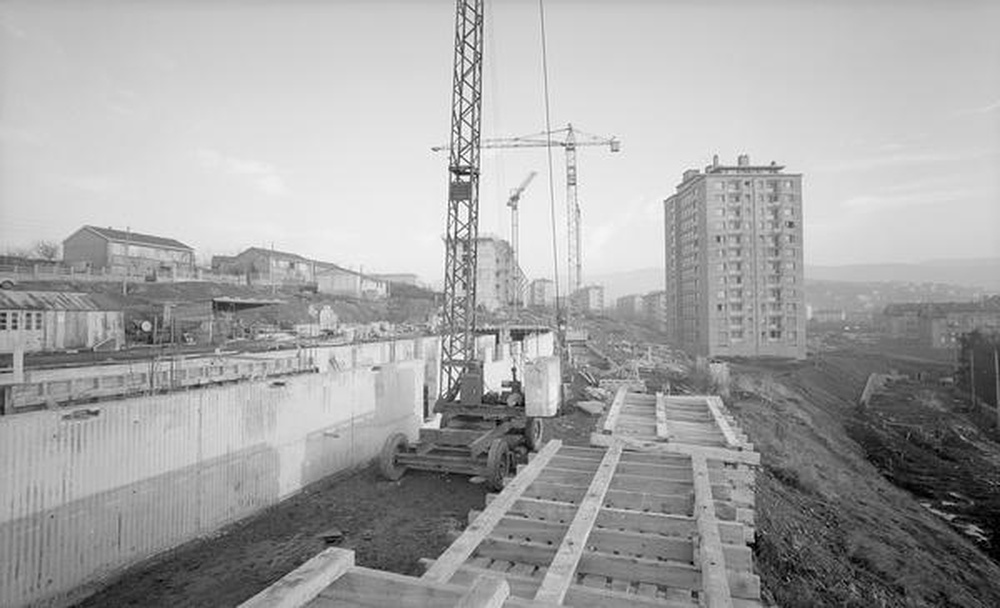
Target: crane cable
548 150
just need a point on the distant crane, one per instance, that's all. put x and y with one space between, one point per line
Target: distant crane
569 139
512 202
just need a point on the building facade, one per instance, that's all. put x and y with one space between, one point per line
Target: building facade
56 320
259 266
734 262
542 293
499 281
126 252
589 298
629 307
654 309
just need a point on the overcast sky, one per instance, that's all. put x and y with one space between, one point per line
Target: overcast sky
308 124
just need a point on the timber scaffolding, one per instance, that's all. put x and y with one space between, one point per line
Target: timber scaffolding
659 518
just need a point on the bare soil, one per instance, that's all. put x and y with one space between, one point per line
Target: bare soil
389 525
832 530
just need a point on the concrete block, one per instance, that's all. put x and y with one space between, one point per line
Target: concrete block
542 384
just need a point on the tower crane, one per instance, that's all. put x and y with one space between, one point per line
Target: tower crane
512 202
482 434
569 139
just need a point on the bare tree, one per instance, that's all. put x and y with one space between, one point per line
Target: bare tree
46 250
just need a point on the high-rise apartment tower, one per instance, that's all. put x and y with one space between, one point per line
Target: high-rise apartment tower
734 271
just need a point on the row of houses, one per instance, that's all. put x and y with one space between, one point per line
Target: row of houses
649 309
941 324
129 253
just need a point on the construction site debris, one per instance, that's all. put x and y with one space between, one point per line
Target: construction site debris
594 408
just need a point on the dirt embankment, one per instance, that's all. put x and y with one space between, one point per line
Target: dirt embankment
833 531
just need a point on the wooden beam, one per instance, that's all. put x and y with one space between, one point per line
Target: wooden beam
662 432
611 420
482 444
715 583
652 447
591 597
303 584
487 591
466 544
560 574
715 405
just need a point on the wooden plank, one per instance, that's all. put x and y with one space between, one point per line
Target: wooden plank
715 583
588 597
652 447
648 571
714 405
520 585
366 587
611 420
662 431
482 444
560 574
305 582
485 592
459 437
460 550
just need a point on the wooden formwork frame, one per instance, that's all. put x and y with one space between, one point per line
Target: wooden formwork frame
610 527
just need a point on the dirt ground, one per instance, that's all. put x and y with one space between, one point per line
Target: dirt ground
390 526
832 530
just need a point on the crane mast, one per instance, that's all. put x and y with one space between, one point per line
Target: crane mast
458 342
572 213
569 139
512 202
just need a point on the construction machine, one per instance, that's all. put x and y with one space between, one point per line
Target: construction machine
481 433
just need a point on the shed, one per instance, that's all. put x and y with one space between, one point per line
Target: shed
58 320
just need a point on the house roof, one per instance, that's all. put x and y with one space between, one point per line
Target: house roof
51 300
320 266
137 238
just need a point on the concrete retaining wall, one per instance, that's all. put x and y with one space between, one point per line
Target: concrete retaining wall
86 491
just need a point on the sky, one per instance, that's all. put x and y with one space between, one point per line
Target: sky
308 125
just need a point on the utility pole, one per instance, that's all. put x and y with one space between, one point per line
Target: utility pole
128 237
972 372
996 385
270 268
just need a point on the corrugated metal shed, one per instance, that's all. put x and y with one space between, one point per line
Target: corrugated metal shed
50 300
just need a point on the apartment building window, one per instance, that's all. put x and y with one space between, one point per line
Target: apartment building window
775 334
3 321
736 334
14 320
723 338
793 336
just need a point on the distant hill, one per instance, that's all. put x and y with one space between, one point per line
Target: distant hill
983 273
980 274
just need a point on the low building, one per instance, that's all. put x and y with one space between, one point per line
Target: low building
404 278
57 320
260 266
629 307
589 298
542 293
123 252
941 325
654 309
901 320
826 316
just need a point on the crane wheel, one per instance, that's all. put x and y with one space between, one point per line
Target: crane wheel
498 463
387 460
534 434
